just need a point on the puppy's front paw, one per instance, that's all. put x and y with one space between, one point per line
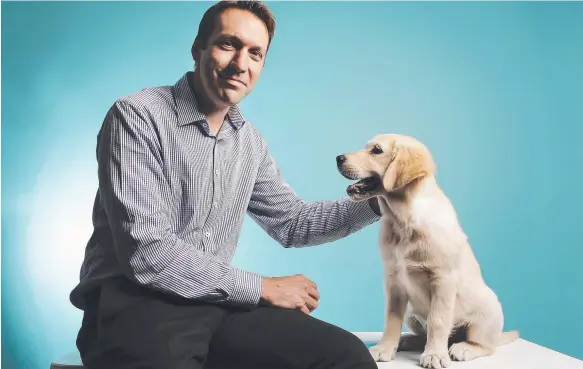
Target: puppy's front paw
435 360
382 352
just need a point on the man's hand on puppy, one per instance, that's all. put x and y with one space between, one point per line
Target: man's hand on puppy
293 292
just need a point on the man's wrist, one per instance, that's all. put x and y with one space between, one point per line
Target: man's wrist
247 288
373 203
265 284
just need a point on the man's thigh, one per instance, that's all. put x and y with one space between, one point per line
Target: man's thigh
277 338
130 327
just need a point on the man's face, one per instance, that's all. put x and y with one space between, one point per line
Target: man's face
232 61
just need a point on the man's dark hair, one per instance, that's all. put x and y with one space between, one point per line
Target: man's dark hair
207 23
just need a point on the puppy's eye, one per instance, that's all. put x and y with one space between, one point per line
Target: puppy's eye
376 150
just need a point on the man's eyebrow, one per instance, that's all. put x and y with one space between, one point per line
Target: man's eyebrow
238 40
228 36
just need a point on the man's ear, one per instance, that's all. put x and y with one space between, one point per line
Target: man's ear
195 50
408 165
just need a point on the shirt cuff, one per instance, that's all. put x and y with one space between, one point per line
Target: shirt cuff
246 288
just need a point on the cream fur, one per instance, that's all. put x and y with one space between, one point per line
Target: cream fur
432 280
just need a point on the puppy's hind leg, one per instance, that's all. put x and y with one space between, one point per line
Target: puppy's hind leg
483 335
478 344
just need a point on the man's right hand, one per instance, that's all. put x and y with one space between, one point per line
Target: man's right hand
294 292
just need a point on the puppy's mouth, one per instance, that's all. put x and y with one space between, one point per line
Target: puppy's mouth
364 186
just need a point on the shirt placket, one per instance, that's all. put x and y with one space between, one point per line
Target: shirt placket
215 195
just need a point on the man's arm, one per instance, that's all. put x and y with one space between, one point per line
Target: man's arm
294 222
137 196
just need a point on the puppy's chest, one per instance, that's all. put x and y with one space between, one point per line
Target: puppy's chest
398 233
411 258
412 269
411 264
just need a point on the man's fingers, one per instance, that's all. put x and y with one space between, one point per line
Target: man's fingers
313 292
300 304
306 279
311 303
313 284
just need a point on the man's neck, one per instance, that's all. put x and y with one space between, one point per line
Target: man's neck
214 114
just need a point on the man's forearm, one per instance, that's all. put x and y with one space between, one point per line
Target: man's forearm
326 221
182 269
318 222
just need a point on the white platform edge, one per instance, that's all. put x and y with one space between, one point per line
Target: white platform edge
368 337
569 361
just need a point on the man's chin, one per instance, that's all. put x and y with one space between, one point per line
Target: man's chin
231 96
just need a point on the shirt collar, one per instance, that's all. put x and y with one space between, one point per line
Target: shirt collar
187 109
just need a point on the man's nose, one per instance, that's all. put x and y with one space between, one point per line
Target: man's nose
340 159
240 61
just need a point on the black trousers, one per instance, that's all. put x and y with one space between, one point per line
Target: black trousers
127 326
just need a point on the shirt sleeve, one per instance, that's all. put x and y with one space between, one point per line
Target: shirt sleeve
136 196
294 222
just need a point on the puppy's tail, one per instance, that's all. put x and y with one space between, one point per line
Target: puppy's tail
508 337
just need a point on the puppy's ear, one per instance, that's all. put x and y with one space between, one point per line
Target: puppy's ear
408 164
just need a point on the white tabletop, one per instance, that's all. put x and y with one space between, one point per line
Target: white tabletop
520 354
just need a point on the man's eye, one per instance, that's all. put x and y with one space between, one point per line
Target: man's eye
227 44
376 150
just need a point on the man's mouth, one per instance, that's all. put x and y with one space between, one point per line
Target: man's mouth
364 186
231 80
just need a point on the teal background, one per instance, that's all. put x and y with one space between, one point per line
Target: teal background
493 88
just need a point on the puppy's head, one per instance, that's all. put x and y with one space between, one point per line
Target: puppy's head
389 163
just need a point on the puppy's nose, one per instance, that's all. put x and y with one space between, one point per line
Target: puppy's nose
340 159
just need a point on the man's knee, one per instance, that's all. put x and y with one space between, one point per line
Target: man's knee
350 352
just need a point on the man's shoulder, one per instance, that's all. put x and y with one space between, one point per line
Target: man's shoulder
159 97
148 107
254 132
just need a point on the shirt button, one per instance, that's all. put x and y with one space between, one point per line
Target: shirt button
208 234
215 204
217 171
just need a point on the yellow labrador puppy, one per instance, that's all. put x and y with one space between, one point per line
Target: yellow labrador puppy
432 280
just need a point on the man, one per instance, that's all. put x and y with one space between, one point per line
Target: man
178 169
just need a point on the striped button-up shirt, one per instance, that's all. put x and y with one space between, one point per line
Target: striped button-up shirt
173 195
